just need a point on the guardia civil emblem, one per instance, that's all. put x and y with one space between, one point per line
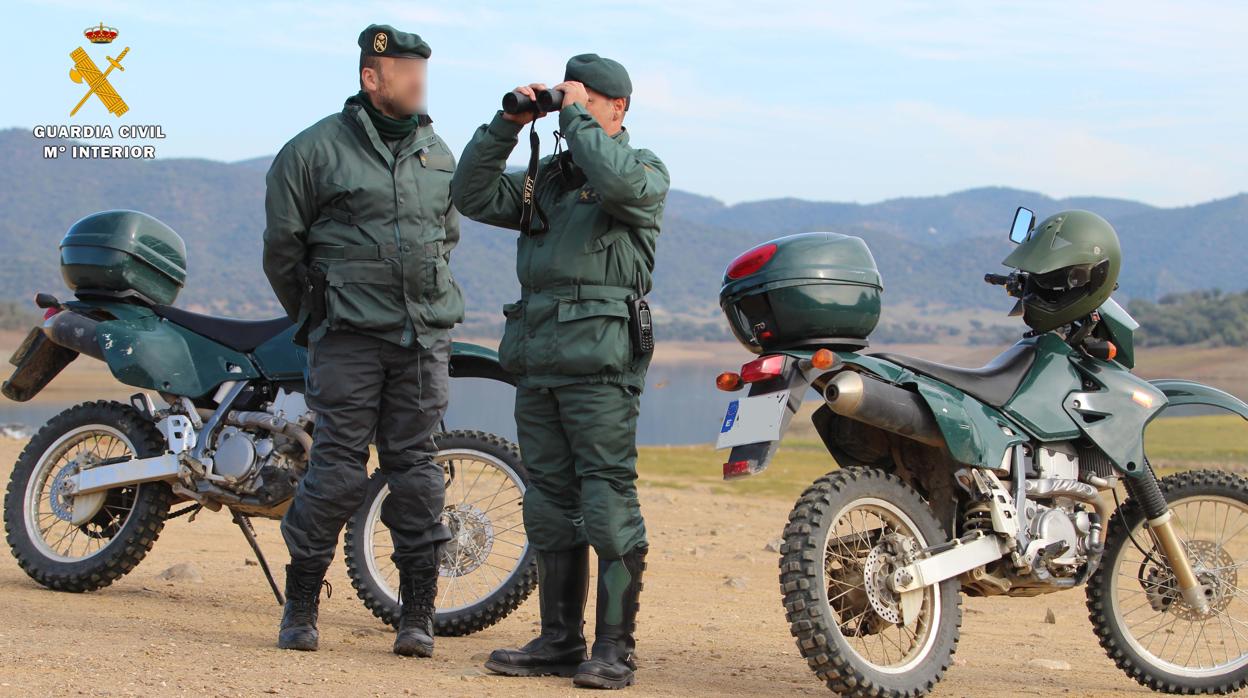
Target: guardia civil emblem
85 71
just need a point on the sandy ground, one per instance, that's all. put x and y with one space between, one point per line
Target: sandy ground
698 635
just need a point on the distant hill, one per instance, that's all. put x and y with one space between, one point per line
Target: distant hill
932 251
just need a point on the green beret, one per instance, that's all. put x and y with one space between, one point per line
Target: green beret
600 74
385 40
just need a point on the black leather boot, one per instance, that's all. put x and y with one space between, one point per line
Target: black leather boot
611 663
562 587
303 595
418 591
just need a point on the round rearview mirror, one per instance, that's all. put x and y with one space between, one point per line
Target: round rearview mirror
1024 219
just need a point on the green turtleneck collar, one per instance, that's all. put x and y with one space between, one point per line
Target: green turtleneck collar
388 127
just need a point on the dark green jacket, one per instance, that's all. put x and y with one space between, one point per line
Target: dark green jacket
378 224
604 205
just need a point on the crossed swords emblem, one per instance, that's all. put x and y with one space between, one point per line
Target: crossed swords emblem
84 70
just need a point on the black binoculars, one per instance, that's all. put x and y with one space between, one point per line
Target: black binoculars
547 101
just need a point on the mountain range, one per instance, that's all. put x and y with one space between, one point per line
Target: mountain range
932 251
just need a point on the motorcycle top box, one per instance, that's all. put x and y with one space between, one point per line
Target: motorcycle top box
809 289
124 251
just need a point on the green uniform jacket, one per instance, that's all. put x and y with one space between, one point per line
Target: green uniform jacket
378 224
604 207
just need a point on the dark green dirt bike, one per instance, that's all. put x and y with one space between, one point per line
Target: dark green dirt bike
92 490
1000 480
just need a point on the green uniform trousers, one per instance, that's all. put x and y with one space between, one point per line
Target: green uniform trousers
580 448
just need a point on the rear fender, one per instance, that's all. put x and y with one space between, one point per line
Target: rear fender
975 434
38 361
147 351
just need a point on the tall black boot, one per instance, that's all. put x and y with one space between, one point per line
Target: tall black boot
562 587
418 592
611 663
303 595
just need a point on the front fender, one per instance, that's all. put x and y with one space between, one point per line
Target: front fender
475 361
1184 392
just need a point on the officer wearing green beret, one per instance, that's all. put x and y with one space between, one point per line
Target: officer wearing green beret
359 232
568 341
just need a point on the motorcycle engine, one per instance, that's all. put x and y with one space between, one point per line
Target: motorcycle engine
246 457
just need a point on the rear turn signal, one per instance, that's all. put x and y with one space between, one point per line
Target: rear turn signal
823 359
728 381
763 368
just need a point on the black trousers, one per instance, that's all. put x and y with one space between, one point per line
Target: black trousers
365 390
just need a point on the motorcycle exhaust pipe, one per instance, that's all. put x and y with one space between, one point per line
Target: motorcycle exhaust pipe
73 331
883 405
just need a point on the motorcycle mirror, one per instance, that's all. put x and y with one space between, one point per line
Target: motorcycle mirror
1024 219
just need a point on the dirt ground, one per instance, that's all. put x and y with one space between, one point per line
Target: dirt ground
711 624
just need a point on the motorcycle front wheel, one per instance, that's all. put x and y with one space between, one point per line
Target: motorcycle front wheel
846 535
487 568
1143 621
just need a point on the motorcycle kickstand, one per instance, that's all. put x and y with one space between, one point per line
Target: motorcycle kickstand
244 524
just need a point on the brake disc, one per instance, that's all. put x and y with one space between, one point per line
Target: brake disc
76 509
472 540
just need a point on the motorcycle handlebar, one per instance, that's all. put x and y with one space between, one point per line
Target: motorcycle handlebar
996 279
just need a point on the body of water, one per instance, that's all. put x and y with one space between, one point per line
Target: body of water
679 406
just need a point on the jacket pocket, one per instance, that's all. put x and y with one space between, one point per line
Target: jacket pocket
364 295
511 348
592 337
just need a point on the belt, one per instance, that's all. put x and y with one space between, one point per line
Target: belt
593 292
387 250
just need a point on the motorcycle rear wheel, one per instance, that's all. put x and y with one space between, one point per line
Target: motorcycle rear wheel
87 542
845 535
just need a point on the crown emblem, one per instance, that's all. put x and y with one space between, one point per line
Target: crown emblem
100 34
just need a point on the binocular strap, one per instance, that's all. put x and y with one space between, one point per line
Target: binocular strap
528 197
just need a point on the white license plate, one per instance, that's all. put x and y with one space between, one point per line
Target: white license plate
752 420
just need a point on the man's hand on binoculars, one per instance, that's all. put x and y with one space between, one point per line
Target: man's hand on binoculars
529 91
573 93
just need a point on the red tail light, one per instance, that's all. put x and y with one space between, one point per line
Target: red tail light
50 312
751 261
736 468
763 368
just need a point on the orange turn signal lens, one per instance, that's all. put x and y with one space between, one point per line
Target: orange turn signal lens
823 359
728 381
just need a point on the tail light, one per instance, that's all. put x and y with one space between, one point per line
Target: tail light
736 468
763 368
50 312
751 261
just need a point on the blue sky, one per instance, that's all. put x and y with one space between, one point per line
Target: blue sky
743 101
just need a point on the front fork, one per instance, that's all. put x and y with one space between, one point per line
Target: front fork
1144 489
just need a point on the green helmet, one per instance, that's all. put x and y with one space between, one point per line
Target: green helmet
1072 260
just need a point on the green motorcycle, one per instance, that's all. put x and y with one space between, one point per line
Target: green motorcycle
987 481
92 490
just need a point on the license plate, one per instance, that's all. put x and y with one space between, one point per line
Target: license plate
753 419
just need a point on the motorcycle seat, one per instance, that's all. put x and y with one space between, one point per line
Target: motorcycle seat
993 383
239 335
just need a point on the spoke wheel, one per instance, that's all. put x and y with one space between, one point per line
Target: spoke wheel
487 568
1144 622
83 542
846 536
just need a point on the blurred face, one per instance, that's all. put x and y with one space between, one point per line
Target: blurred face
608 111
396 85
